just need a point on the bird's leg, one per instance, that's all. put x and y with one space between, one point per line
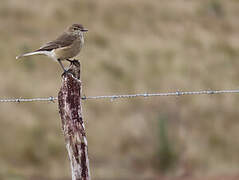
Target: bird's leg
61 65
69 60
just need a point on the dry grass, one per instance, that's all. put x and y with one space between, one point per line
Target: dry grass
131 47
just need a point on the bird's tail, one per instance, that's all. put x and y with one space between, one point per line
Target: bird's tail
30 54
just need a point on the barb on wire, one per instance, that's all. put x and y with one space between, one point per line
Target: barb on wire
113 97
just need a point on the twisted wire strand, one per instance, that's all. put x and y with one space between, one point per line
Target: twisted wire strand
113 97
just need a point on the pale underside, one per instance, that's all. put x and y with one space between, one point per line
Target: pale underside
69 51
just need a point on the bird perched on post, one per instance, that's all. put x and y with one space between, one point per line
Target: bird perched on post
66 46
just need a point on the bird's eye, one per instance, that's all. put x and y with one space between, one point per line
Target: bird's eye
75 28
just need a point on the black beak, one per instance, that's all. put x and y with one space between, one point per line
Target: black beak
84 30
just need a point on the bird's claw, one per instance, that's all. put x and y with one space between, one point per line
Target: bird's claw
64 73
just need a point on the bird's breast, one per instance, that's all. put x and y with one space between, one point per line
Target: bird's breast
69 51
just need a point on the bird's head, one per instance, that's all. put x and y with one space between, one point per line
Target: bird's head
77 29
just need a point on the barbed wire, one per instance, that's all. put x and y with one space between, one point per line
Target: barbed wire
51 99
113 97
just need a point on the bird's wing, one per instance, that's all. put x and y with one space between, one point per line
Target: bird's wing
62 41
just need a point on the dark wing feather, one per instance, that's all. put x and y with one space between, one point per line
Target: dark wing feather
62 41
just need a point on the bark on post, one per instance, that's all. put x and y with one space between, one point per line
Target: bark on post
69 99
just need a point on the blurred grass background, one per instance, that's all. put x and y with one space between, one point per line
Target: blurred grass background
133 46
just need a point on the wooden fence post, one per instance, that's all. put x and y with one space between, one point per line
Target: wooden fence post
70 109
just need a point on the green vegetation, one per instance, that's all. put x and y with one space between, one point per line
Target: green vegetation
166 154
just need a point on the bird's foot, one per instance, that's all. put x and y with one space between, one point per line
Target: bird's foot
64 73
67 72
